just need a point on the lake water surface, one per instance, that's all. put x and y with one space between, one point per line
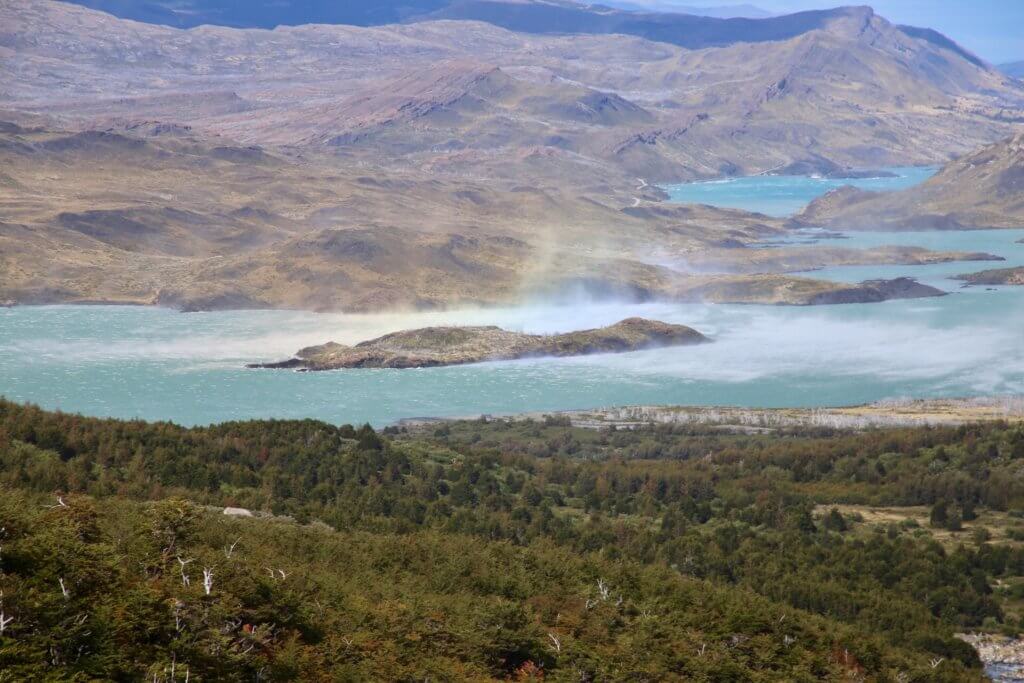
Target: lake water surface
159 364
786 195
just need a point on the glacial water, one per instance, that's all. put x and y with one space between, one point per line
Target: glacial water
158 364
786 195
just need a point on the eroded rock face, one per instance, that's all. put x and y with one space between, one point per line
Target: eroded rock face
438 346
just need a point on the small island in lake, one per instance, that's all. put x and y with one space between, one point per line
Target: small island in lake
438 346
998 276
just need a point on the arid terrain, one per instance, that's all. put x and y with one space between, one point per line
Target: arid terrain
453 159
980 190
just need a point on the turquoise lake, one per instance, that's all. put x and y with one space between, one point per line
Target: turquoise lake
158 364
786 195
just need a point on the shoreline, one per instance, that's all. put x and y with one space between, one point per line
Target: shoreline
1002 656
880 414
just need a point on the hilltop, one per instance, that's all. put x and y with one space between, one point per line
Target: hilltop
841 88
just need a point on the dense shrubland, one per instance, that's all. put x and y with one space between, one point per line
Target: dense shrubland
474 550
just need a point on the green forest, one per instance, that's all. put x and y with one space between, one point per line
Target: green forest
502 550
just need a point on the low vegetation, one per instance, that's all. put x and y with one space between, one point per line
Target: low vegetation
502 550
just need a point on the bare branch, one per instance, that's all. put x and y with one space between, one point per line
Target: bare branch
5 621
555 642
64 589
231 548
185 581
207 579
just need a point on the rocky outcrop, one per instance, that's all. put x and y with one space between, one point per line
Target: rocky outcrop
1002 656
440 346
997 276
788 290
874 291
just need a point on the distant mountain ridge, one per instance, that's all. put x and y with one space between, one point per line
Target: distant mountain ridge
722 11
446 162
693 31
853 91
263 13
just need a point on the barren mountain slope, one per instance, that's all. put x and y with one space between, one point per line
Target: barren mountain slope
848 88
981 190
156 214
440 163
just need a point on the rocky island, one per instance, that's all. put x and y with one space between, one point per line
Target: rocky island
439 346
997 276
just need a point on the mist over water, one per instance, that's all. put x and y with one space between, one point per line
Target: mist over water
158 364
161 365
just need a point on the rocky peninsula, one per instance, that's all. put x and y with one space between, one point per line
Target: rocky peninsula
998 276
440 346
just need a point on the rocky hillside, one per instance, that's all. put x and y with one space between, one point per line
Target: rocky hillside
819 90
981 190
442 162
438 346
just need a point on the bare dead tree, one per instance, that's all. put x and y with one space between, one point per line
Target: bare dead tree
5 620
935 662
603 589
185 581
64 589
207 579
231 548
178 623
556 643
60 503
703 647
